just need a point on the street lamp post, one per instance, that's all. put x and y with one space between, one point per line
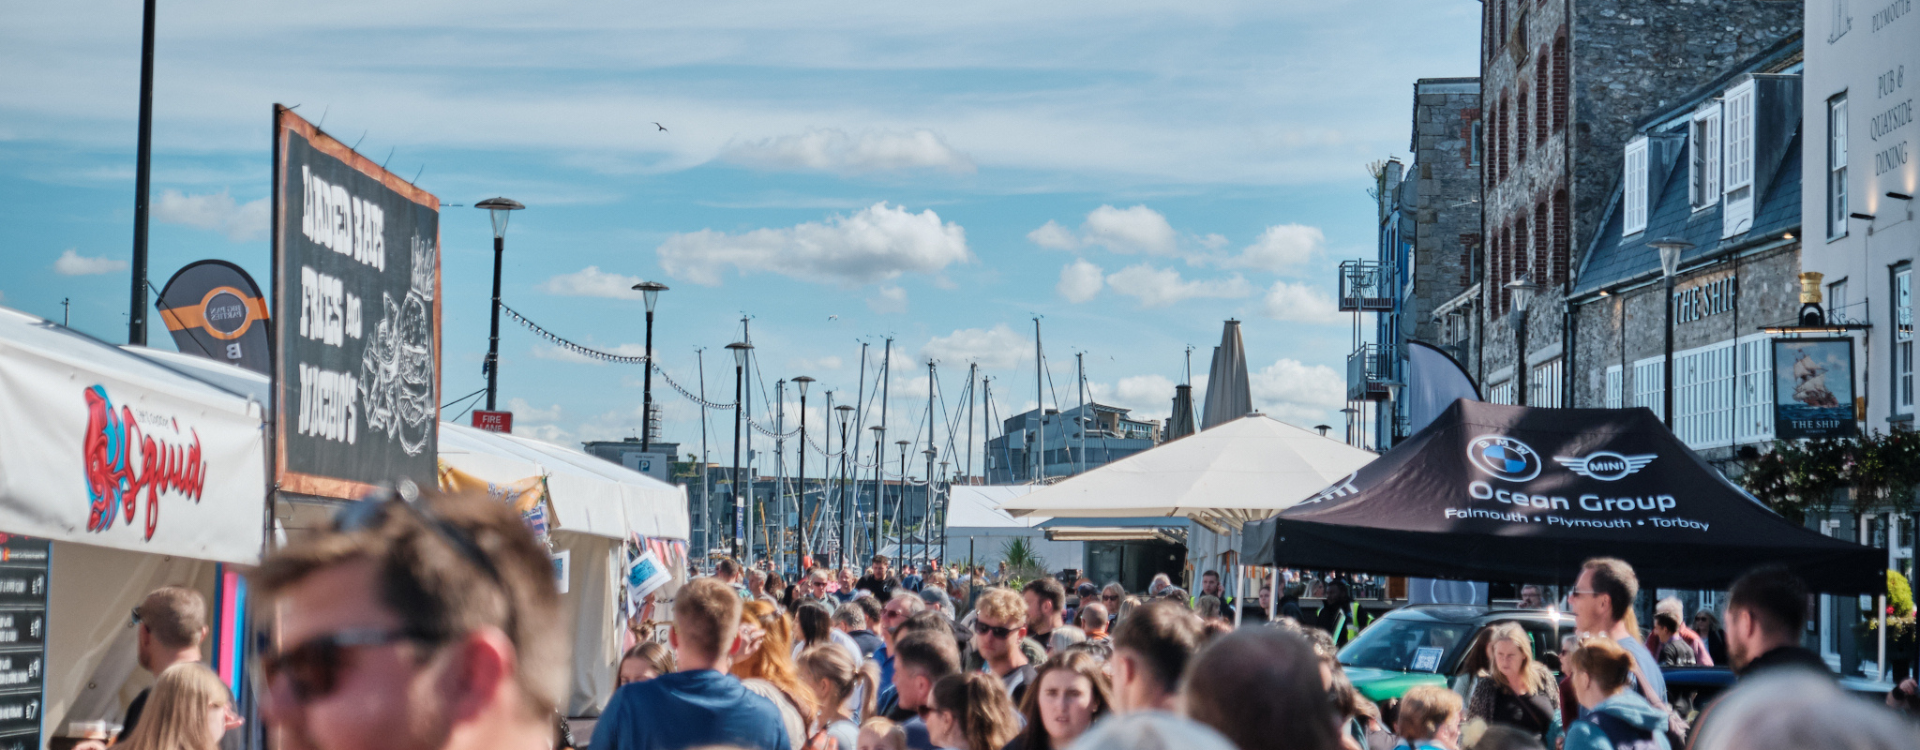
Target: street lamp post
846 519
800 503
740 350
499 209
650 290
1522 290
1670 249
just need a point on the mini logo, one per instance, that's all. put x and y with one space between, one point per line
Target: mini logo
1504 458
1606 466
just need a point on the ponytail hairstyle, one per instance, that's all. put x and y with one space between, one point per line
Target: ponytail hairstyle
832 664
980 706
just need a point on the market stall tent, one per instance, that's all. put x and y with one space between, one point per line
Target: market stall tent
1243 470
140 474
1510 493
977 526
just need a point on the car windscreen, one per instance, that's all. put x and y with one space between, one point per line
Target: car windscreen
1407 645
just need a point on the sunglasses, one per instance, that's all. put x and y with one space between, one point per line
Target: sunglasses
982 628
312 669
1109 598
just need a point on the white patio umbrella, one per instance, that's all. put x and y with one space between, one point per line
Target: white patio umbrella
1243 470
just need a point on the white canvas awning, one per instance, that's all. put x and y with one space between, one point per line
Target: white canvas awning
978 506
590 495
1243 470
102 447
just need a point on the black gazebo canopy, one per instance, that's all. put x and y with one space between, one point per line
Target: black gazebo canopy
1508 493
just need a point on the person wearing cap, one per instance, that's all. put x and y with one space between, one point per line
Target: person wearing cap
172 622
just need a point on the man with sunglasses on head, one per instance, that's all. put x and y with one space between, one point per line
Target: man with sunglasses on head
172 622
416 623
999 624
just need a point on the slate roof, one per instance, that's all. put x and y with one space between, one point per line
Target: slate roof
1613 260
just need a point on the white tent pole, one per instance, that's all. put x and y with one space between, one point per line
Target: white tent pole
1274 581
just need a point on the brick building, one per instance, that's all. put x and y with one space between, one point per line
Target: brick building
1564 83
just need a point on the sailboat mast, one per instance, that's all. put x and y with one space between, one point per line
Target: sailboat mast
1040 404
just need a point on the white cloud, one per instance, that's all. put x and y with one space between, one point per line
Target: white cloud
1300 303
1160 287
72 263
525 412
216 211
1053 237
592 282
999 348
832 150
1130 230
828 362
1079 281
888 300
1148 396
878 243
1296 392
1280 247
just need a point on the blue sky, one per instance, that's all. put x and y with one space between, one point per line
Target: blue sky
1136 172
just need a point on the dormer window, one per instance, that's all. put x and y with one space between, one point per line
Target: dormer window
1737 217
1634 193
1703 166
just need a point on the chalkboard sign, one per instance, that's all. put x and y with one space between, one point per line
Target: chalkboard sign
23 639
356 317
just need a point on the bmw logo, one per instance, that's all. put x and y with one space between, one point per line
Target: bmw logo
1504 457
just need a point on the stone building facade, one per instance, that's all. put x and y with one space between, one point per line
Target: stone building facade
1429 220
1718 177
1563 84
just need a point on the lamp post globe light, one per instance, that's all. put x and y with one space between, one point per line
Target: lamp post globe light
800 504
499 210
1522 290
740 351
650 291
1670 250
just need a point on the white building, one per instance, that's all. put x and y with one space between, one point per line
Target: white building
1860 178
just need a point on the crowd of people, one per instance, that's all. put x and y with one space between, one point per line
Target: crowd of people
432 623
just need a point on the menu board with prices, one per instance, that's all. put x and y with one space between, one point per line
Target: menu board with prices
23 639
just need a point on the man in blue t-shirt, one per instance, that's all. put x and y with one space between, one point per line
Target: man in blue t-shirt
700 704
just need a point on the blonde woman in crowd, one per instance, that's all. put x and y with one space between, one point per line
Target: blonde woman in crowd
836 679
1514 689
189 709
763 660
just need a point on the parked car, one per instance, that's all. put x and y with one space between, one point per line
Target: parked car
1424 644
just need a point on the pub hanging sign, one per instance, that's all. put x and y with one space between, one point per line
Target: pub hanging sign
1813 388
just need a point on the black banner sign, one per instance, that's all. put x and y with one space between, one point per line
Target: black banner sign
356 318
23 639
214 309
